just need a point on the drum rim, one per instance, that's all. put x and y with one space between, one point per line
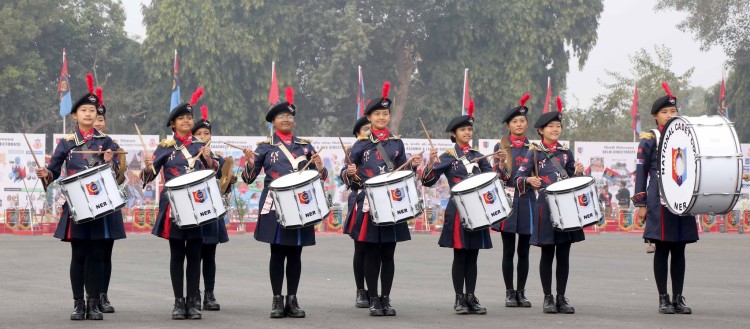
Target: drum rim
474 189
568 190
81 175
179 187
297 185
410 175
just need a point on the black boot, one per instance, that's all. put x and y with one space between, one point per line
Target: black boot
388 310
178 313
292 308
376 309
79 310
474 306
510 298
197 306
679 305
92 309
460 307
277 307
363 299
209 301
104 305
549 304
521 298
665 306
563 306
193 305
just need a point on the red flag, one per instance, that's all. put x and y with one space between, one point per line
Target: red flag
549 96
273 93
634 112
466 97
722 109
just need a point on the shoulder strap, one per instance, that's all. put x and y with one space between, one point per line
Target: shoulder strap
91 158
294 161
563 173
384 154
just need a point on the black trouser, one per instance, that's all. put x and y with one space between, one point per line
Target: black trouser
108 245
86 267
549 253
379 263
661 258
293 257
359 264
509 250
179 251
465 270
208 257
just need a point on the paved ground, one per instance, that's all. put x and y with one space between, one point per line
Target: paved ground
611 285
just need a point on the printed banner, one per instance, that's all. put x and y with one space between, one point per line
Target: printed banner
21 189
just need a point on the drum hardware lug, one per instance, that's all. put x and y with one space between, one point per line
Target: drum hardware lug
372 209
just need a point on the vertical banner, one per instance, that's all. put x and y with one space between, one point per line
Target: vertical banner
21 189
612 165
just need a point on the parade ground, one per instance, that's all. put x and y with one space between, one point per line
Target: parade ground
611 285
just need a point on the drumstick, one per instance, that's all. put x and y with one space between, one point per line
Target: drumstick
199 153
238 147
44 180
405 163
308 163
485 156
145 151
98 152
746 176
343 147
428 136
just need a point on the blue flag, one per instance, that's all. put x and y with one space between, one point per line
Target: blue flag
63 88
175 101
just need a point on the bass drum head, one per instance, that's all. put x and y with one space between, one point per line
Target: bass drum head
189 178
293 179
677 172
569 184
474 182
389 177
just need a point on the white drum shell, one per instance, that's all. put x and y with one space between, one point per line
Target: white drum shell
195 199
300 199
92 193
481 201
712 164
393 198
573 203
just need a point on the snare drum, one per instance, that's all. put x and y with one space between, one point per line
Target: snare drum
573 203
92 193
393 197
194 199
701 165
481 201
300 199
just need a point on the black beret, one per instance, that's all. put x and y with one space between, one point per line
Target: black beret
179 111
201 124
280 108
514 112
88 99
458 122
667 100
382 102
358 125
546 118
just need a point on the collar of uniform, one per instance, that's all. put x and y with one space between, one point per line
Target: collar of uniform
276 141
513 140
375 140
79 136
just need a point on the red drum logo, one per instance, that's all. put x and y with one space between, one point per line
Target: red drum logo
583 200
397 194
93 188
679 165
489 197
199 196
304 197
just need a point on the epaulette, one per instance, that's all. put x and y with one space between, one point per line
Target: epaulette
167 143
101 135
198 140
534 146
363 137
451 152
395 137
303 141
70 137
563 147
646 135
266 141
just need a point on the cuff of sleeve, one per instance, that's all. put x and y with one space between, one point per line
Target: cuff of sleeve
521 184
639 199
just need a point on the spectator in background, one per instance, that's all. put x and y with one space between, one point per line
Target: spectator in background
623 196
605 197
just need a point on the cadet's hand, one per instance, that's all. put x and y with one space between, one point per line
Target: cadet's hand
206 152
108 155
579 169
318 161
501 156
416 160
433 157
351 169
41 172
249 157
534 181
641 213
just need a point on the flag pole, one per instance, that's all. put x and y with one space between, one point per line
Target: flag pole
463 95
63 130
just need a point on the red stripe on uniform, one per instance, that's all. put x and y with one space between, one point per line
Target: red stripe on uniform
363 229
353 217
457 232
70 221
167 223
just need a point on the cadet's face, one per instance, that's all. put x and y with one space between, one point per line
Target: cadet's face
463 135
100 123
518 125
551 132
284 122
204 134
665 114
183 124
85 115
379 119
364 129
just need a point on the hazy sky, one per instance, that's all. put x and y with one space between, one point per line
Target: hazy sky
624 27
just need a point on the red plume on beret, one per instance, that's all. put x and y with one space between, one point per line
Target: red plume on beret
666 89
470 111
289 95
386 89
204 112
90 82
524 99
196 96
100 95
559 104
